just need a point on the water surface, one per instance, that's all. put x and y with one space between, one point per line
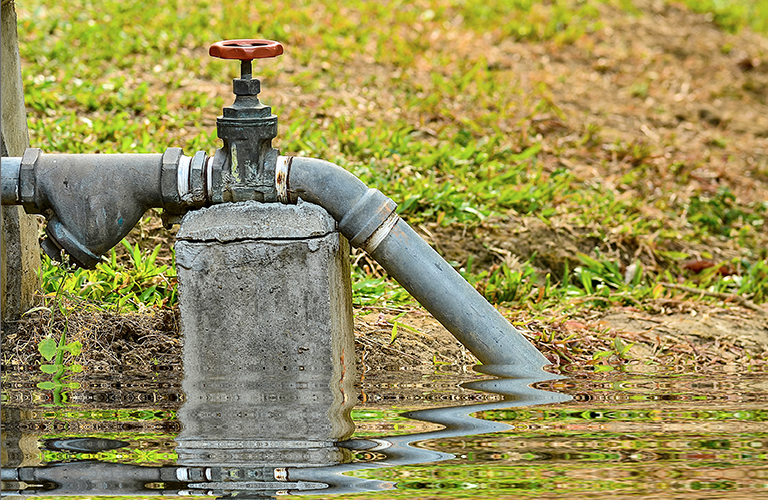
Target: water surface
447 432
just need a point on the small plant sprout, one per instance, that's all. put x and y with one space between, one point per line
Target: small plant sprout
53 352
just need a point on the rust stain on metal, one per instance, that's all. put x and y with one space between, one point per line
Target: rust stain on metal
281 180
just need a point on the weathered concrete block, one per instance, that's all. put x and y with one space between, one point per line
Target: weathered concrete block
266 315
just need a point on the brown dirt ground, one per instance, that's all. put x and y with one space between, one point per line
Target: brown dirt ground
684 334
669 80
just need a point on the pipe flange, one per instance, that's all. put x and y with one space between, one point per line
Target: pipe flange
169 184
366 217
198 178
27 180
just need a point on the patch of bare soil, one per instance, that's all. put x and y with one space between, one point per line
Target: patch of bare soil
700 327
668 333
119 343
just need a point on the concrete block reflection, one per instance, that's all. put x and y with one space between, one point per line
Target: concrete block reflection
273 479
265 299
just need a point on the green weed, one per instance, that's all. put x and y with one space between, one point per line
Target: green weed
114 286
720 213
734 15
54 352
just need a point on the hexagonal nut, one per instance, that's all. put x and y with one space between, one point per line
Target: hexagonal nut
217 166
27 179
169 179
246 87
198 177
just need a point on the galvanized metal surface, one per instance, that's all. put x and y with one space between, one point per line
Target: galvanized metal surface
93 201
96 199
9 180
454 302
366 217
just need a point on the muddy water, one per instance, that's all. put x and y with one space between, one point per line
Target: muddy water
421 433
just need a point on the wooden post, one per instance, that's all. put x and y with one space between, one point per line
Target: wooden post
19 247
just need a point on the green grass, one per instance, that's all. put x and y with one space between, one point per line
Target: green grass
140 285
734 15
398 94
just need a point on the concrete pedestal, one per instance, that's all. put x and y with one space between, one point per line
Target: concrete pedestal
266 315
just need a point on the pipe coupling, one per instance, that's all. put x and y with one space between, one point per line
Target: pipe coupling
370 220
185 183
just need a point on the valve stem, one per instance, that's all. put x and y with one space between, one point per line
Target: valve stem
245 69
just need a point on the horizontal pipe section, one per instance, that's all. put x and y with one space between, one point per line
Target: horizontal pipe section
9 180
366 217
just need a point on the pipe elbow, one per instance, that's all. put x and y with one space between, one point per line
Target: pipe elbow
365 215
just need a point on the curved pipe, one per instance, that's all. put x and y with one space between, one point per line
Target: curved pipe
93 201
368 219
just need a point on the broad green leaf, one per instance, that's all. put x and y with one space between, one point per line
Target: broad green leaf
618 345
76 368
48 386
50 368
47 348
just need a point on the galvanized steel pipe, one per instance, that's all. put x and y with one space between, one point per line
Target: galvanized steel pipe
97 199
9 180
93 201
368 219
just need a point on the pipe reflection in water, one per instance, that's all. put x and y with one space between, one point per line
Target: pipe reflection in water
269 479
515 386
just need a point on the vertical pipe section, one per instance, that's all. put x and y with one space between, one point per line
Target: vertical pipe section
366 217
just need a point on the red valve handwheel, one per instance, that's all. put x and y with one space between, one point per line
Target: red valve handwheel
246 49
